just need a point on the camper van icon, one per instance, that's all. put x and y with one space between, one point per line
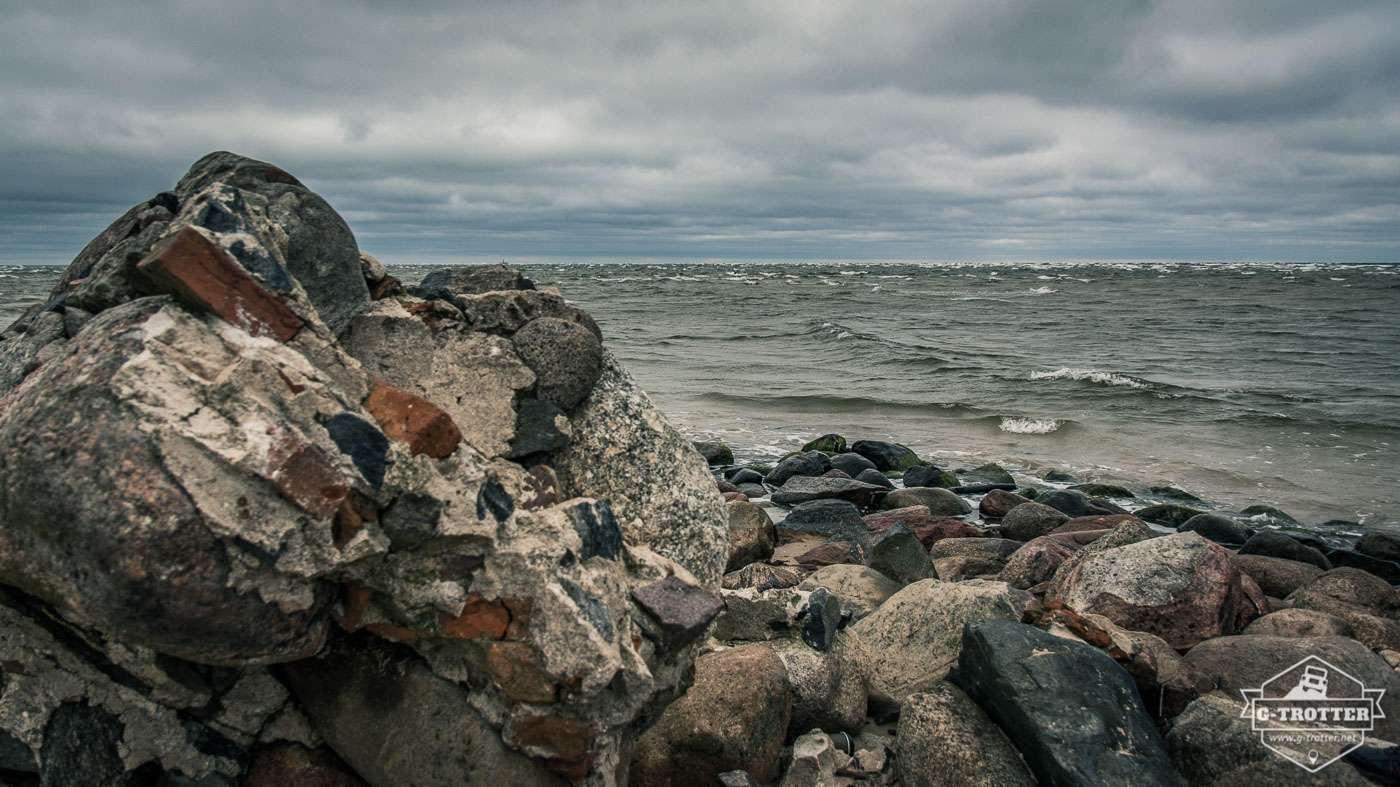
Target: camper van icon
1311 710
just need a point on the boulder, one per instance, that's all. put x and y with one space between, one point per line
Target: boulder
734 717
828 689
1182 588
1104 490
827 443
1130 532
887 456
912 640
715 453
1217 528
1388 570
928 475
752 535
290 764
1001 548
1274 575
826 518
875 477
940 502
1300 623
862 589
930 529
998 503
744 475
1034 563
1076 504
1351 586
1030 521
753 491
852 464
834 552
1213 737
1101 522
1168 514
814 762
990 473
1268 514
453 283
1380 544
946 740
1076 539
897 553
956 568
1272 543
812 463
1032 684
761 576
1059 477
802 489
1246 662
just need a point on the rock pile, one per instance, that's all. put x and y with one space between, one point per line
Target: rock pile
262 504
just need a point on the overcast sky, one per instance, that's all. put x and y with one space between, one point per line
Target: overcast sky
967 130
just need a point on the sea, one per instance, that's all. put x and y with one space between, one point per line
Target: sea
1244 384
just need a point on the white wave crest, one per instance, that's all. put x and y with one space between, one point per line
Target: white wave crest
1043 290
1029 425
1092 375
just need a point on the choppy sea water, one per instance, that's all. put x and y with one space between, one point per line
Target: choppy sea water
1244 384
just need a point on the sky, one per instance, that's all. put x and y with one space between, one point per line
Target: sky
996 130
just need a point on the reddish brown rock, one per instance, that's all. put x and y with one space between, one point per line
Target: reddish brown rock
1300 623
191 267
833 553
681 609
565 745
928 528
1034 563
1181 588
1078 538
516 670
734 717
287 764
305 475
997 503
1276 576
427 428
1100 522
734 497
762 576
957 567
479 618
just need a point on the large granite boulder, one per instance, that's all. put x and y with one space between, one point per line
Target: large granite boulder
946 740
1182 588
1029 521
1032 684
218 453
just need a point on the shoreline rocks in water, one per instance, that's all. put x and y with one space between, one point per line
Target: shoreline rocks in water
270 516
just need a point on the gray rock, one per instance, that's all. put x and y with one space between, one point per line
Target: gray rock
1130 532
991 473
1074 503
1276 576
681 610
1030 521
929 475
451 283
911 641
1002 548
812 463
828 689
897 554
752 535
940 502
887 456
814 762
862 589
565 356
1032 685
801 489
761 576
946 740
827 518
717 453
1034 563
1300 623
1380 544
1271 543
1169 514
875 477
852 464
820 618
1388 570
1213 737
956 568
1217 528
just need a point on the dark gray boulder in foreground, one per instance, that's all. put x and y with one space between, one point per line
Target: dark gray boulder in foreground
1033 685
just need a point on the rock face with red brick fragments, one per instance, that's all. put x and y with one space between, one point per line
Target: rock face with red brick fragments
1181 588
475 546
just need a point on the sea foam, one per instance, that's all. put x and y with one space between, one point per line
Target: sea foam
1029 425
1092 375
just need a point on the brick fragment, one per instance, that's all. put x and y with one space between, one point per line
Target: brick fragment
406 418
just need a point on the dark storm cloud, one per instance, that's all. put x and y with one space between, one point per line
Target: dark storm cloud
983 129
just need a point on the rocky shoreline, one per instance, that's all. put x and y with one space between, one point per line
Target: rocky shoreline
269 516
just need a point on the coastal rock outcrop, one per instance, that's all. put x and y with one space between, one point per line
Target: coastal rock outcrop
220 450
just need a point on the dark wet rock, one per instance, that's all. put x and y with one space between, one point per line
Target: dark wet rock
991 473
1269 513
997 503
982 489
289 764
928 475
852 464
887 456
1169 514
812 463
1104 490
1029 521
1300 623
81 747
1172 493
930 529
827 444
946 739
940 502
1380 544
827 518
1059 477
451 283
753 491
565 356
1032 685
1274 575
1271 543
862 589
1217 528
820 618
897 553
834 552
1182 588
802 489
540 428
1081 523
752 535
1034 563
912 640
681 609
734 717
1246 662
743 475
875 478
761 576
1076 504
1389 570
717 453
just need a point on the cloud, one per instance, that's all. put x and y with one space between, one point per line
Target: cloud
972 129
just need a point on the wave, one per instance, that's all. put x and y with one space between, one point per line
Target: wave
1029 425
1090 375
1043 290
